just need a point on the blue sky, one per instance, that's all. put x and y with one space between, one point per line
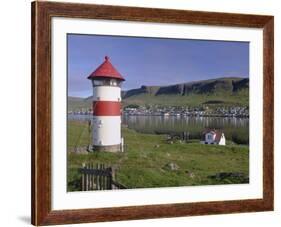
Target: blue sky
153 61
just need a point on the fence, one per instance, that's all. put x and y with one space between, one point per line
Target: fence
98 177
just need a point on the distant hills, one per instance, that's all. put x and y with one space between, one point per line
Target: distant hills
220 91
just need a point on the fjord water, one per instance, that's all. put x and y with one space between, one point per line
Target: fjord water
235 129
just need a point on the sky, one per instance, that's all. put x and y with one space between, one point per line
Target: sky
153 61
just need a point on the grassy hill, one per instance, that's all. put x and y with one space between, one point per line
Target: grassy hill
220 91
223 91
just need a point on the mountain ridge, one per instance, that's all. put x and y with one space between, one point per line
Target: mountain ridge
223 90
200 87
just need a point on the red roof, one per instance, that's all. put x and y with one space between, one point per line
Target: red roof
106 70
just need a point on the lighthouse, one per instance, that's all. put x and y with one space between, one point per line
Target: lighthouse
106 126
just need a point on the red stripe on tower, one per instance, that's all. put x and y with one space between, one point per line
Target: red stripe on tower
106 108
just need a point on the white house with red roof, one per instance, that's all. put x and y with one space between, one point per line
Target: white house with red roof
213 136
106 81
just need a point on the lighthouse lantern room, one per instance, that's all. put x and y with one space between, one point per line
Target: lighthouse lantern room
106 126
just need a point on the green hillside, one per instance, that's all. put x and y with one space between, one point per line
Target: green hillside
220 91
223 91
75 103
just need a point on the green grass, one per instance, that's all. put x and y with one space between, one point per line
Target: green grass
78 134
143 163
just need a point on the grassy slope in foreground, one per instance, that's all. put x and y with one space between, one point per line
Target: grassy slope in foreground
141 166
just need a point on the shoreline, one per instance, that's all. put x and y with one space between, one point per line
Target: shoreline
171 115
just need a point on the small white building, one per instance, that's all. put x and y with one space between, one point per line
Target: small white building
213 136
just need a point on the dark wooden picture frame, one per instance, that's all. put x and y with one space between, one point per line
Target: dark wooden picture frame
42 12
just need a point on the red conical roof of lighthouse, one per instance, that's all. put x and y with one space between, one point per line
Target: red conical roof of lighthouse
106 70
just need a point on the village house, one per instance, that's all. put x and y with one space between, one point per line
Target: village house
213 136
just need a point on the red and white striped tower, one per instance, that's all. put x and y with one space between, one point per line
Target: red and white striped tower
106 82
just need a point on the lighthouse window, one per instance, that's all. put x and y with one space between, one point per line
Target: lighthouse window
106 82
113 82
98 82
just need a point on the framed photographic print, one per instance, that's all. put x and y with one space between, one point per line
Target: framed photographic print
146 113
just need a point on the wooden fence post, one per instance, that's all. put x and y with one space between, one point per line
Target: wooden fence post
100 177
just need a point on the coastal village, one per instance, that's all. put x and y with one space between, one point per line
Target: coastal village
201 111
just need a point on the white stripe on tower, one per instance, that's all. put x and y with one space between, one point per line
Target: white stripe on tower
107 93
107 130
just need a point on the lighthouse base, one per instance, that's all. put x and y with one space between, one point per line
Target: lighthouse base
109 148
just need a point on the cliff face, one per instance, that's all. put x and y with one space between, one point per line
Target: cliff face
221 85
